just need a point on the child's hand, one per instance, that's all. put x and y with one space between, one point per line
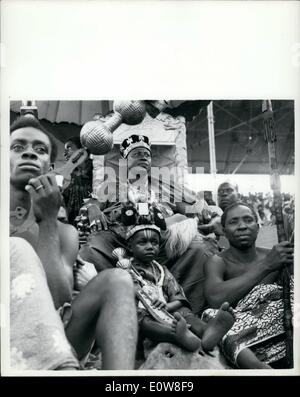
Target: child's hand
157 303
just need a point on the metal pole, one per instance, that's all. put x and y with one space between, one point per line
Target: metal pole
212 148
270 137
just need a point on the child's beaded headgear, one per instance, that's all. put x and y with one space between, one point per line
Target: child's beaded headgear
142 216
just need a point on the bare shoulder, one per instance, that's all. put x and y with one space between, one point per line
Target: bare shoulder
225 255
67 232
216 259
214 264
262 252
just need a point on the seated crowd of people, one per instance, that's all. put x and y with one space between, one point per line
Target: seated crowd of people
131 265
264 206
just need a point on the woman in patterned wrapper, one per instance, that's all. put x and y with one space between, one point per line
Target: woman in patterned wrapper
81 184
164 312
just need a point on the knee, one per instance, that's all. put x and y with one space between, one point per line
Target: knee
115 279
120 278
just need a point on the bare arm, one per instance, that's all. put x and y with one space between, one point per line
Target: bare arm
69 249
173 306
57 244
218 290
57 249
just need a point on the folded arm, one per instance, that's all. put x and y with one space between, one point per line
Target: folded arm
265 269
218 290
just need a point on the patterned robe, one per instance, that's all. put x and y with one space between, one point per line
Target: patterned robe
258 325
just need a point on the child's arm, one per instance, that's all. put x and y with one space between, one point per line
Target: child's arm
173 306
158 304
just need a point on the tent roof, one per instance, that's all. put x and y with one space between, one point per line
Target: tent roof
239 138
238 127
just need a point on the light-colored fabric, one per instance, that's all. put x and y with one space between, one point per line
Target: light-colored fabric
37 338
179 236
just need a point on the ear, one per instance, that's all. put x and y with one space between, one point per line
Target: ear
51 167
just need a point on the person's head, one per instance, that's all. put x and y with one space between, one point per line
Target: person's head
227 194
137 150
144 244
208 197
32 150
71 146
240 225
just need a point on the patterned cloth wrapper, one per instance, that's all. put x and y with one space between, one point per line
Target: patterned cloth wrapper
258 324
37 338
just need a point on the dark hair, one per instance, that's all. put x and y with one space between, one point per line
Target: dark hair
75 140
30 121
236 188
237 204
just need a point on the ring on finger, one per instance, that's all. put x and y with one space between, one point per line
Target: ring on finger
39 187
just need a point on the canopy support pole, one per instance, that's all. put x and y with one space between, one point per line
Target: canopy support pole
212 148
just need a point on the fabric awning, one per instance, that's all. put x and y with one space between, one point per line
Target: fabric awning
78 112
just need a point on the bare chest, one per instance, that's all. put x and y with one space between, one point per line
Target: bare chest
234 269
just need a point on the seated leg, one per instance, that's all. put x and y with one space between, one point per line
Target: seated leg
178 333
246 359
218 326
105 310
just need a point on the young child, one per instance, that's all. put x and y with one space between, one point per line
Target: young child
164 313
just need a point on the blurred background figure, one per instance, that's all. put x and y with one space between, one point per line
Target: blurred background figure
81 184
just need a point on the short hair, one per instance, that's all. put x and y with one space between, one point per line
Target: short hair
30 121
76 140
228 182
237 204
